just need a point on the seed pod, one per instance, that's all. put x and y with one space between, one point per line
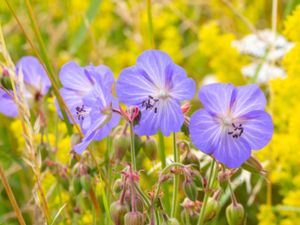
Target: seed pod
190 189
171 221
235 214
118 211
118 186
150 148
134 218
86 182
77 187
121 145
212 209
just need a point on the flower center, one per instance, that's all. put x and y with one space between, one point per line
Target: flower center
236 130
81 112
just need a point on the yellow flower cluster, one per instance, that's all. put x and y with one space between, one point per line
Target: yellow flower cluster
223 59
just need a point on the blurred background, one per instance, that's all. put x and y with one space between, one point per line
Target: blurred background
239 42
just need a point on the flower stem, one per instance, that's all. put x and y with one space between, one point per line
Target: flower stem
162 154
206 195
11 197
150 24
132 147
176 179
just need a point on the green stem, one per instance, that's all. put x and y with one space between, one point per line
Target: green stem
176 179
162 154
132 147
206 195
150 24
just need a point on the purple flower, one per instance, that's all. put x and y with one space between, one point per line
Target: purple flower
77 83
7 105
100 103
232 123
157 86
36 83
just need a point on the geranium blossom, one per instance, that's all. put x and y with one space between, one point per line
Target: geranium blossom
232 123
156 85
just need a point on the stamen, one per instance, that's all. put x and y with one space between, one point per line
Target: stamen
237 130
81 112
150 103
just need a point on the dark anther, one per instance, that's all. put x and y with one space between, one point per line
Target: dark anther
150 102
80 112
237 131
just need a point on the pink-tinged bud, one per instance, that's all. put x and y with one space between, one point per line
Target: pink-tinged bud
150 148
212 209
235 214
190 189
185 107
171 221
134 218
121 145
118 211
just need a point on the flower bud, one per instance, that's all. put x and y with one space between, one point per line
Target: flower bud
235 214
121 145
212 209
134 218
86 182
77 187
118 211
171 221
6 82
190 189
150 148
118 186
190 158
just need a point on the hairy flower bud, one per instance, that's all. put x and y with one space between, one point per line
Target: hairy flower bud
86 182
235 214
212 209
253 165
150 148
118 186
190 189
134 218
171 221
77 187
6 82
121 145
118 211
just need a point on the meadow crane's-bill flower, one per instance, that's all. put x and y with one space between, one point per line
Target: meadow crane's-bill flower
102 119
156 85
77 83
232 123
36 83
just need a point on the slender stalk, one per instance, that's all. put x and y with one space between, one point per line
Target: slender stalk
150 24
11 197
206 195
162 154
132 147
176 179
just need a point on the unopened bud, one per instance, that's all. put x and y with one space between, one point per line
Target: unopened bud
235 214
6 82
118 211
253 165
134 218
121 145
190 189
212 209
77 187
171 221
118 186
86 182
190 158
150 148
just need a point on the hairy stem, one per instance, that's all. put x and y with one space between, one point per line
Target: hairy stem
132 147
206 195
176 179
